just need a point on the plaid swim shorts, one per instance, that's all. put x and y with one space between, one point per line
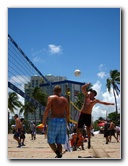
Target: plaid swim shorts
57 129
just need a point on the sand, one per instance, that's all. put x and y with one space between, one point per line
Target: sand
39 149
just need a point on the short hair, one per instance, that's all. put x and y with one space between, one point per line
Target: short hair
16 115
21 119
57 88
95 92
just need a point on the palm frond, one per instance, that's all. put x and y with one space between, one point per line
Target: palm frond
108 84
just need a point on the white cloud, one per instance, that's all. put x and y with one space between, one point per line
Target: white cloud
37 55
19 81
110 98
53 49
101 66
102 74
36 59
97 86
37 52
100 110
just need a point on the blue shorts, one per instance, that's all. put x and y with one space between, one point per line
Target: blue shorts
17 133
57 129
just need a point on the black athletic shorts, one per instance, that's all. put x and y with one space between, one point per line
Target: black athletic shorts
22 135
84 119
112 132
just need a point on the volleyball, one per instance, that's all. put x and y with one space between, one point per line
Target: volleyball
77 72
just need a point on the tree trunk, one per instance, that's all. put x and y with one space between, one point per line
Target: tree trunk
115 104
35 116
40 116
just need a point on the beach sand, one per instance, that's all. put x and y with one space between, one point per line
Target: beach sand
39 149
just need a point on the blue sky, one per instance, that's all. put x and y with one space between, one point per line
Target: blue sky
60 40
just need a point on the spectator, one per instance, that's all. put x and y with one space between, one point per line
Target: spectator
107 131
112 131
22 136
33 130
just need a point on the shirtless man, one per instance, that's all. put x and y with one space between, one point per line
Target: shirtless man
112 131
58 108
86 110
17 132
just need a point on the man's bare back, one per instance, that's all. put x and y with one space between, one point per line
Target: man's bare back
18 123
58 106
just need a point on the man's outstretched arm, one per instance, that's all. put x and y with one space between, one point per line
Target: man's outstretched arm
105 103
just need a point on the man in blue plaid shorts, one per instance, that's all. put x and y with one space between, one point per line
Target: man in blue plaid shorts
58 109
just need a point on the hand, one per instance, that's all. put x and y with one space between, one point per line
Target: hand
86 85
112 103
89 84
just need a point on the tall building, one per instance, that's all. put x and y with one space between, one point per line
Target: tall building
52 78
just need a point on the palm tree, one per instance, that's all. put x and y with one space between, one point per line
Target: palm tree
38 95
113 82
41 97
113 117
27 108
13 102
80 100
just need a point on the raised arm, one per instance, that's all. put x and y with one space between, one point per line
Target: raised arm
84 88
47 109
